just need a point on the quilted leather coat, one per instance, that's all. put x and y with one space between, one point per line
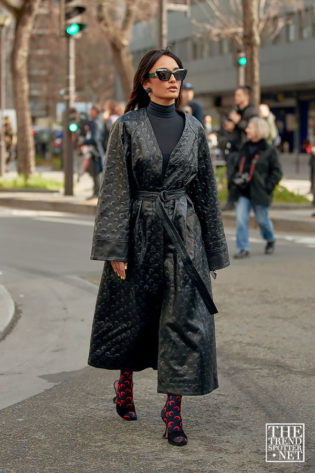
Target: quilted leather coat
169 231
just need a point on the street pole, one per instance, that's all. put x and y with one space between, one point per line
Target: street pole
2 98
240 76
69 97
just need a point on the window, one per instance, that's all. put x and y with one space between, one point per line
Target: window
195 49
305 25
290 32
205 45
225 46
183 49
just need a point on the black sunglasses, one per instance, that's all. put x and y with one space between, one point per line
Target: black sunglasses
165 74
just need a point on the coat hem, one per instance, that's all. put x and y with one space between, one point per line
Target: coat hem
118 366
184 390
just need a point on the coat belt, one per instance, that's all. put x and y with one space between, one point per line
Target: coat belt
163 196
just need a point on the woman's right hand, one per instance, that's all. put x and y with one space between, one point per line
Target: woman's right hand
119 267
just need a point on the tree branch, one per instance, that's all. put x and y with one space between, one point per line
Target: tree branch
13 9
130 14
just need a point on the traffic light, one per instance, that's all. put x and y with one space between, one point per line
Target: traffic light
73 120
73 17
242 60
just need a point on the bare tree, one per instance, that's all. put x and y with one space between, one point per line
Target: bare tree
95 78
47 61
251 43
246 21
24 13
117 19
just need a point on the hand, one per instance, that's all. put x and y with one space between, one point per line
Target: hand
119 267
234 116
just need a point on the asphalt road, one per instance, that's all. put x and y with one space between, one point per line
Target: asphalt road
57 416
45 265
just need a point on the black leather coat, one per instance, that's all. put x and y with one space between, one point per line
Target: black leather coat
157 317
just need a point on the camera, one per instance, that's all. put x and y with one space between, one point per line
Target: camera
241 180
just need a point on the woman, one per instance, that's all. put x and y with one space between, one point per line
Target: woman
256 174
159 229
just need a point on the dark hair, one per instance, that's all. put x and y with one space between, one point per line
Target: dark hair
96 108
139 97
246 89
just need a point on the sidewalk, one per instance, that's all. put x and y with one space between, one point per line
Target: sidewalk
286 217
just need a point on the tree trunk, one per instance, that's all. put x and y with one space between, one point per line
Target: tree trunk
25 141
251 41
123 65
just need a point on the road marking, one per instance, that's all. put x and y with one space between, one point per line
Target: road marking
46 216
64 220
31 213
307 241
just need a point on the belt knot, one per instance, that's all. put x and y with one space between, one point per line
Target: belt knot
164 195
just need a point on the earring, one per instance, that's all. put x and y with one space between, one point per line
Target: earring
148 91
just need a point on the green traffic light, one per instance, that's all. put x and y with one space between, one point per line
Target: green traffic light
73 127
73 29
242 61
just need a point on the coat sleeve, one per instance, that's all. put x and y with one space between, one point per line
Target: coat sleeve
203 192
275 170
111 229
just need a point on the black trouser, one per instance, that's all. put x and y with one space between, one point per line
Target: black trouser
95 173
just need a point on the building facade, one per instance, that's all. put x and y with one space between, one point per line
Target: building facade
287 66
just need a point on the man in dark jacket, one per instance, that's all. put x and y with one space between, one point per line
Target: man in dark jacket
243 111
187 99
94 139
230 143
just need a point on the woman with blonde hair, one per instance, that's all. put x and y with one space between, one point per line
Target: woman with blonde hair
255 176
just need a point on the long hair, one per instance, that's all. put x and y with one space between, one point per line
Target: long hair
139 97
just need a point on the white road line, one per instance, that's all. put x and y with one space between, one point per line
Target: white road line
45 216
4 212
64 220
307 241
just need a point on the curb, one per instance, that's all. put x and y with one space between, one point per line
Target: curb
57 206
7 312
28 189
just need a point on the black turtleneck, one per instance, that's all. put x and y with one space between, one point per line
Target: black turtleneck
168 126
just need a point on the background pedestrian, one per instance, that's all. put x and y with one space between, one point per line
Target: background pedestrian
264 112
243 111
257 172
188 94
93 139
